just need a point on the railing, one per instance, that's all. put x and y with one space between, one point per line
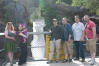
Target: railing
1 34
32 33
2 57
1 50
29 33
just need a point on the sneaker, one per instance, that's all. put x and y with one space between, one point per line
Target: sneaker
11 64
76 59
89 60
20 64
92 62
14 61
50 61
57 61
64 61
70 60
83 60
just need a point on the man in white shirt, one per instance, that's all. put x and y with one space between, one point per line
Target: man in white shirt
78 32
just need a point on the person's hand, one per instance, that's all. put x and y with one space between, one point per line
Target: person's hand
69 40
24 41
13 38
94 38
81 39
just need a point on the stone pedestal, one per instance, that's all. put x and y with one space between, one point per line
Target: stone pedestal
38 43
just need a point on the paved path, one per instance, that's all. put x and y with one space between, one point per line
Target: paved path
43 63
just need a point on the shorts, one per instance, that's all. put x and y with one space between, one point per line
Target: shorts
91 45
68 47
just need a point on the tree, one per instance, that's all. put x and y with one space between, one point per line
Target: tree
93 5
48 11
59 10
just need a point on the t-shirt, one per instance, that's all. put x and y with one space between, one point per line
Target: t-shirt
88 29
77 30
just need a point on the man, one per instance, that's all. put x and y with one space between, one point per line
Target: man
68 44
90 29
78 32
57 33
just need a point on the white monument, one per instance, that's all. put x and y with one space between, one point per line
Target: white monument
38 42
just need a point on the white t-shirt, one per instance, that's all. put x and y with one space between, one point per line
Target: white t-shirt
77 30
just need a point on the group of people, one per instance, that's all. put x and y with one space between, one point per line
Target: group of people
74 35
14 38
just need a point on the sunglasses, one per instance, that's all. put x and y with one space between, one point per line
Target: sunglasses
9 23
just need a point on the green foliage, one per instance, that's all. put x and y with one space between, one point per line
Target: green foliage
64 2
48 11
59 9
67 1
35 15
78 2
49 14
42 3
97 12
59 1
93 5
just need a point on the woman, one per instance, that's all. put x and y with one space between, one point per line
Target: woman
10 43
22 39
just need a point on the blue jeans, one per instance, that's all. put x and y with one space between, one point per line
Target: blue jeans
79 50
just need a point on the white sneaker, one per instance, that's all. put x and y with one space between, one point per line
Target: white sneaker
92 61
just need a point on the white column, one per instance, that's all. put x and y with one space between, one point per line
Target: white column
38 42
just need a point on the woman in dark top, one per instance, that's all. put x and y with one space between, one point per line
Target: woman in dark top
22 39
10 43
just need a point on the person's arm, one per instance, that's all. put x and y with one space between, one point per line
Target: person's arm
70 32
83 32
82 36
21 34
51 31
69 39
6 35
94 32
93 27
86 38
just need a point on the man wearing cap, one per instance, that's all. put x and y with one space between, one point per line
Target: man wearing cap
57 34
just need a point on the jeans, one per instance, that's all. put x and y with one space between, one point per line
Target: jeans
79 50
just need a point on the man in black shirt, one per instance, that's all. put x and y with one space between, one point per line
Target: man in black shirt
57 34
